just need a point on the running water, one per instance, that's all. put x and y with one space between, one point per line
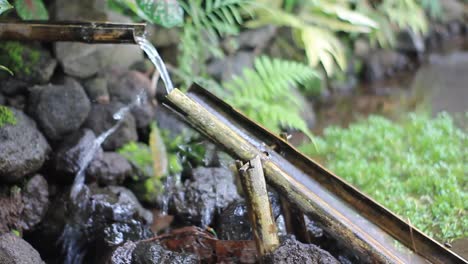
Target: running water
83 164
153 55
72 235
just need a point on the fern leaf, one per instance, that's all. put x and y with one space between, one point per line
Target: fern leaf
264 93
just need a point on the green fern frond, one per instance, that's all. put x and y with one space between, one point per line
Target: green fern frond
207 21
265 93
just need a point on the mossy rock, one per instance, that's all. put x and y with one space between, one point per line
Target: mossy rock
29 63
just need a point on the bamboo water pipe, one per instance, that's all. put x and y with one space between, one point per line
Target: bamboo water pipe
87 32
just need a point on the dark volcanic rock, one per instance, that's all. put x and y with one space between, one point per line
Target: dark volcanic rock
293 251
97 91
101 118
383 63
109 169
169 121
106 217
234 222
23 148
10 208
59 109
126 88
72 152
30 64
35 196
148 253
2 99
14 250
197 200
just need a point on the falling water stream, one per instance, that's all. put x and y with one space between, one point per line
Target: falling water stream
72 233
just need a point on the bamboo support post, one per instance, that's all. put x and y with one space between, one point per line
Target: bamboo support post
88 32
259 208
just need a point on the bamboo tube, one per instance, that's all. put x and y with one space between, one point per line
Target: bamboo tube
307 201
259 208
88 32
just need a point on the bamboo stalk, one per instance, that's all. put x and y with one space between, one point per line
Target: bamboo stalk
88 32
259 208
293 217
308 202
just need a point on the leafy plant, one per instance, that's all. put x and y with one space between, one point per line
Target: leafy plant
4 6
315 26
163 156
416 169
31 10
206 22
392 16
166 13
266 93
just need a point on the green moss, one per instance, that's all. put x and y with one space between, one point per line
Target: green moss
417 168
6 116
19 58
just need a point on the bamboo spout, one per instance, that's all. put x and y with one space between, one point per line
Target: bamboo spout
87 32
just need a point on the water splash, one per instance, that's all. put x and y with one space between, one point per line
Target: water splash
84 163
72 236
154 56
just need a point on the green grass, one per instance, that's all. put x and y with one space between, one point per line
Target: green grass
6 116
417 168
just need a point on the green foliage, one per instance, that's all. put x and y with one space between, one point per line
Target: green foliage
315 26
162 157
31 10
205 23
433 7
18 57
393 15
266 93
4 6
417 169
6 116
167 13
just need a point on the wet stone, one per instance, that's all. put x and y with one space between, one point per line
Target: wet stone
96 89
23 148
125 88
35 196
14 250
72 151
59 109
101 118
234 223
209 191
10 209
109 169
152 252
293 251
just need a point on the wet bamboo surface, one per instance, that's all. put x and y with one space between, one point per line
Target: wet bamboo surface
363 226
259 208
87 32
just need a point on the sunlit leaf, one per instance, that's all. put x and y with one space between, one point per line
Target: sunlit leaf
4 6
167 13
158 152
31 10
6 69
